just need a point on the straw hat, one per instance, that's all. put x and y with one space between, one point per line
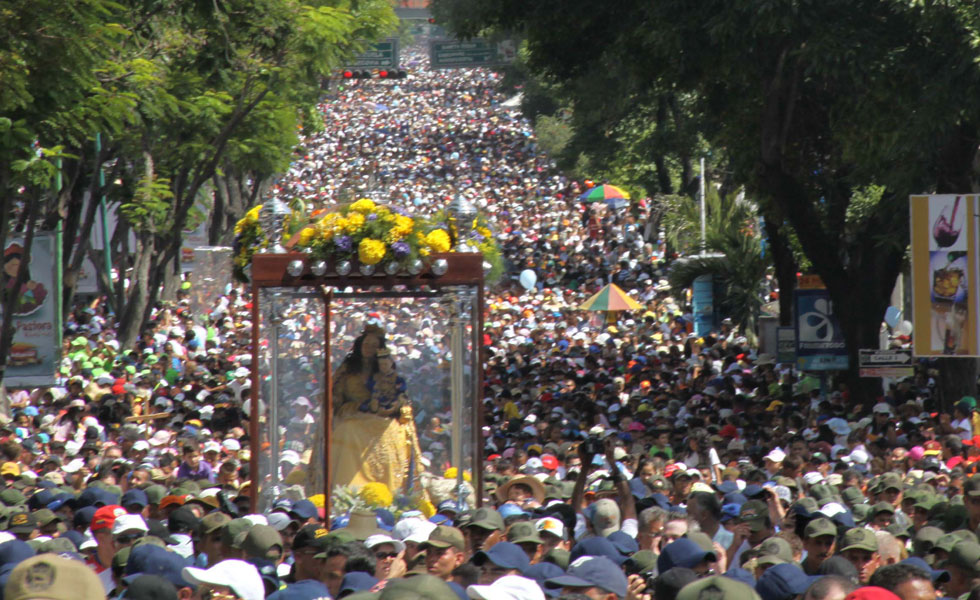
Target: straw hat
537 488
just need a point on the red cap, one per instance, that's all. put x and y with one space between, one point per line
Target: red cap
670 469
871 593
549 462
728 431
105 517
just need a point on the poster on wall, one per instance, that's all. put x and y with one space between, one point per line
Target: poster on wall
34 351
944 274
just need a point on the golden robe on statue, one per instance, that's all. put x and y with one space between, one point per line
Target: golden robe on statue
374 436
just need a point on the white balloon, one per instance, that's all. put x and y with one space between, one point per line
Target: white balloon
528 279
903 328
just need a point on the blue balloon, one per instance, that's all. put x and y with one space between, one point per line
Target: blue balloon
528 279
892 315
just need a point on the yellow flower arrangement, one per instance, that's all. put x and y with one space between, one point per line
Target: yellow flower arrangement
376 494
318 500
438 240
364 206
370 252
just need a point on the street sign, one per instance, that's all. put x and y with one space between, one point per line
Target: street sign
457 54
786 345
885 363
819 340
382 55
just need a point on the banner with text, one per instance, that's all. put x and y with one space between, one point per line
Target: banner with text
944 275
34 350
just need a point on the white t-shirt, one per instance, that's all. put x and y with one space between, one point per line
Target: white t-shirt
963 428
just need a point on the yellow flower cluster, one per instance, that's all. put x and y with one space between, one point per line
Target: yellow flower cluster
438 240
428 509
370 252
451 473
250 218
354 222
376 494
306 236
318 500
365 206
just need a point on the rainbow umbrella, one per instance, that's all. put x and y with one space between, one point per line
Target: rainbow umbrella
610 194
610 298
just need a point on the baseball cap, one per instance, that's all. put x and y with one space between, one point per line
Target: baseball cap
783 581
134 497
444 536
859 538
932 448
311 536
966 556
604 515
261 541
22 521
552 526
53 577
971 487
149 559
503 554
105 517
383 538
938 575
508 587
212 522
128 522
419 587
150 587
819 527
754 512
685 553
596 546
523 531
242 577
778 547
717 586
593 571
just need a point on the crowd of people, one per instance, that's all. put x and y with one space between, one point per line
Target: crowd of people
621 460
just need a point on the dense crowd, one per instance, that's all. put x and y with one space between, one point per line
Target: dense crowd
621 459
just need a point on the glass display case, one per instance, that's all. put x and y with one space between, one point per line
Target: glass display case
365 375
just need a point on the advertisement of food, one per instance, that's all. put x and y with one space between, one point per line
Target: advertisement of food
34 353
945 273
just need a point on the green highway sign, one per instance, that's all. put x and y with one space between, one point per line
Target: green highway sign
382 55
457 54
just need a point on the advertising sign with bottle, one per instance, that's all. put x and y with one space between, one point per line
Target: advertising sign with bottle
944 232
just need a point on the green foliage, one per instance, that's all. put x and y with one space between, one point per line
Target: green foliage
734 253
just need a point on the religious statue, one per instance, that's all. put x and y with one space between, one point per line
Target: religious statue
374 437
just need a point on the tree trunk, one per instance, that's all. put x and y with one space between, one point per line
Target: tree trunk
138 294
785 268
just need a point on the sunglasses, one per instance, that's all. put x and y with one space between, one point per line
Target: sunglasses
129 538
384 555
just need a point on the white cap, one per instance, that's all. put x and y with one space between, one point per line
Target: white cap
141 446
813 478
124 523
418 530
212 446
551 525
232 445
508 587
256 519
776 455
289 456
160 438
240 576
383 538
242 372
882 407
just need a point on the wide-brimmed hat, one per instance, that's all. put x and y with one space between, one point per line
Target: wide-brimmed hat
537 488
363 524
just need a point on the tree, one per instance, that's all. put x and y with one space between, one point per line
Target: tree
733 253
831 113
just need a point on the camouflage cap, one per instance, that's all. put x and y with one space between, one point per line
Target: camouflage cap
717 586
523 531
778 547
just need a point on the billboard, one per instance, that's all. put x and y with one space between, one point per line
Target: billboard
34 353
820 342
944 275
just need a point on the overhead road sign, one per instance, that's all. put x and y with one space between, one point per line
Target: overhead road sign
382 55
458 54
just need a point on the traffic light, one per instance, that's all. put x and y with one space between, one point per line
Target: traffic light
348 74
397 74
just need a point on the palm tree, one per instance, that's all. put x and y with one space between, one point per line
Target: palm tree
733 258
